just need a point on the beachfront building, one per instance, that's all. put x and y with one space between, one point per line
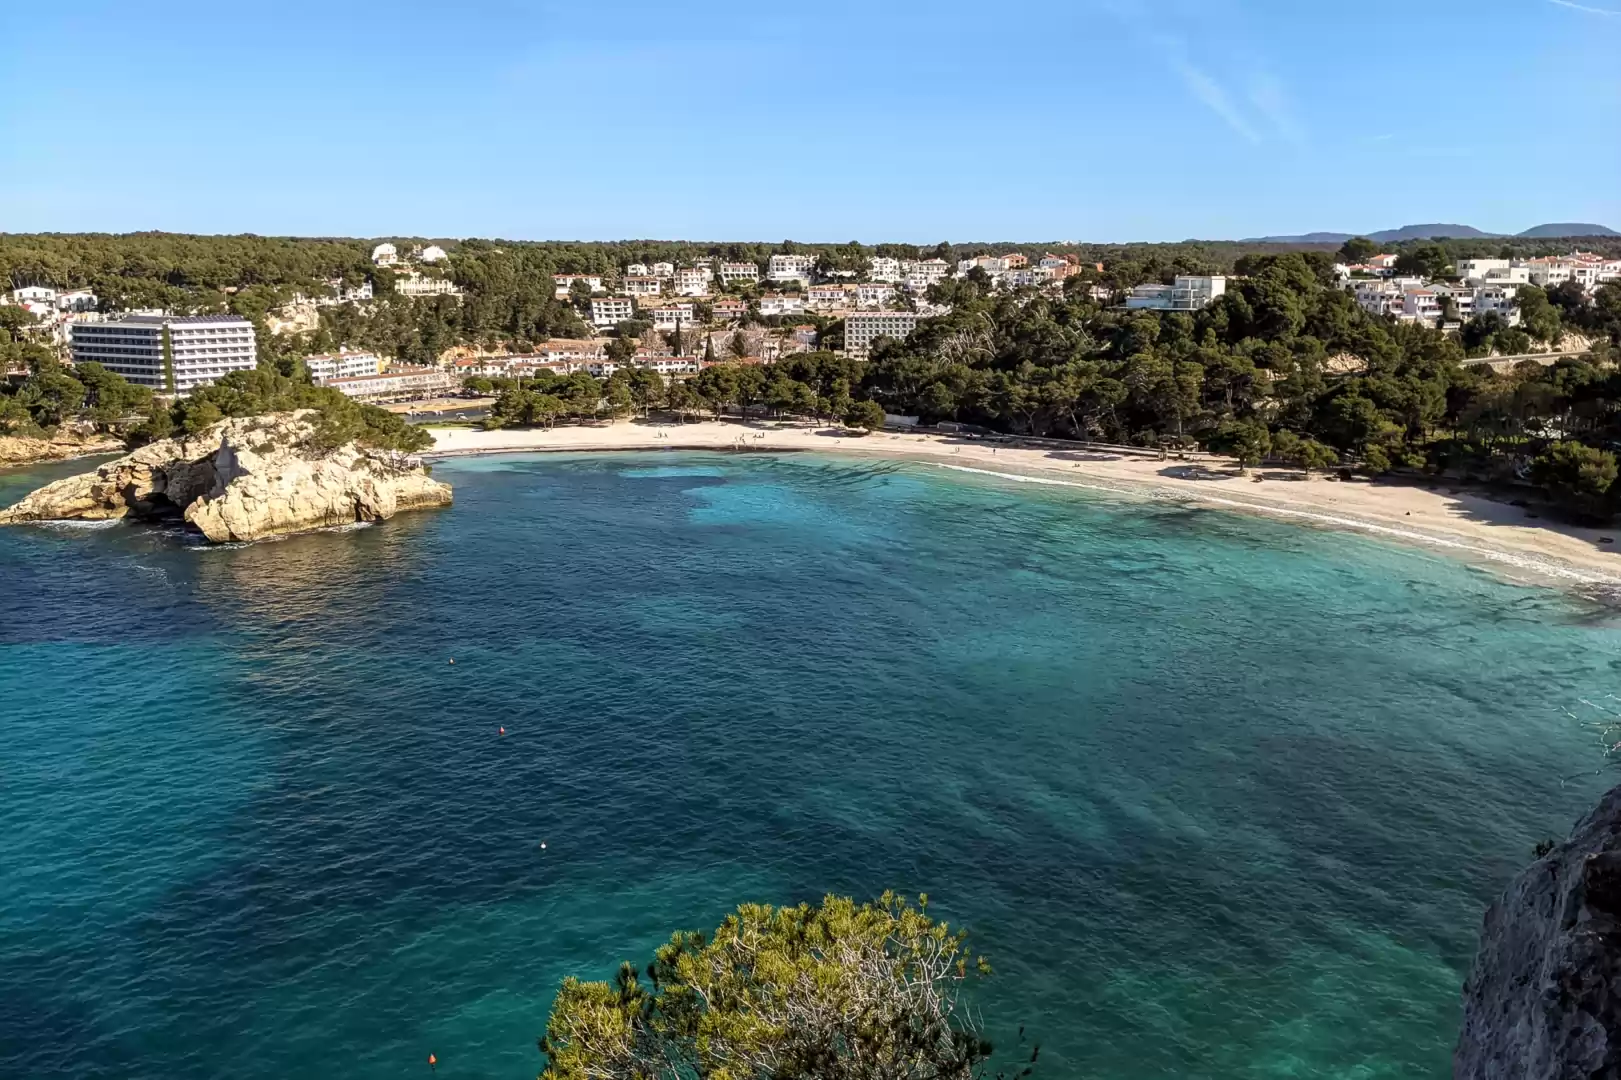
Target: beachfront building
786 268
343 364
172 354
1191 292
862 328
401 384
611 310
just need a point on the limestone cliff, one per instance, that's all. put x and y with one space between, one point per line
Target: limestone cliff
25 450
1544 998
243 479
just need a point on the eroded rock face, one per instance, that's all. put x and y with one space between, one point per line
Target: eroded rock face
1544 998
242 479
21 450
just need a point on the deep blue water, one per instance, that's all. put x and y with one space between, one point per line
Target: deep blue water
1218 797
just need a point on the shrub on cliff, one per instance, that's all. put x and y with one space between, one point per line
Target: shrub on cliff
840 991
341 419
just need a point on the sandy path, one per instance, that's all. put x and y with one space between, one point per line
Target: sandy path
1478 529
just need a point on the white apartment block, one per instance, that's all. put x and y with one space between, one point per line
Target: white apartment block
920 275
563 283
401 384
611 310
783 268
640 285
1191 292
669 316
342 364
885 270
200 348
777 304
1025 277
862 328
385 255
731 272
826 296
417 285
874 294
692 282
663 269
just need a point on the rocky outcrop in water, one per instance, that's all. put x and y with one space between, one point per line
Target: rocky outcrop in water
243 479
1544 999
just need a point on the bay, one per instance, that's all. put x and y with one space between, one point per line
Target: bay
1218 797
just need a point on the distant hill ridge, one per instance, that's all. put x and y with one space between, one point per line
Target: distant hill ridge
1554 230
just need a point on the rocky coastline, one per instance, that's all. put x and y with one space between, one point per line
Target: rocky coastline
243 479
26 450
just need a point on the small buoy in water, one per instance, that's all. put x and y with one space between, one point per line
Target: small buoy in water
433 1062
502 730
453 661
543 845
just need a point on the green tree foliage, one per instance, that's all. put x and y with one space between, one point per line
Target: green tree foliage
840 991
1579 476
1358 249
866 415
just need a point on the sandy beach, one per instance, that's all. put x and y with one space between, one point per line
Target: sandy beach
1483 531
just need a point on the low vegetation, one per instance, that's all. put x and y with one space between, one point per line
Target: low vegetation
840 991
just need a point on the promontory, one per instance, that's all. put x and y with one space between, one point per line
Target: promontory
244 478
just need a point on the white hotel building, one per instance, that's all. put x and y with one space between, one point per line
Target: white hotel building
201 348
862 328
343 364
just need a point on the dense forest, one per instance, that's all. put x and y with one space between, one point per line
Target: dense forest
1285 366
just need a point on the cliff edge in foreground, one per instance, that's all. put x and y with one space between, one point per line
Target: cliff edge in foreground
1544 998
243 479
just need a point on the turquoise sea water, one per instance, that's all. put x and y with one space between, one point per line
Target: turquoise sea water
1219 797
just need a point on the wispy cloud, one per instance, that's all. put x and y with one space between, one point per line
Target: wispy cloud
1270 100
1214 97
1589 9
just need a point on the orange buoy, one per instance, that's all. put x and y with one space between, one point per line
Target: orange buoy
433 1062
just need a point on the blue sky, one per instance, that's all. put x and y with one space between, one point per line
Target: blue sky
829 121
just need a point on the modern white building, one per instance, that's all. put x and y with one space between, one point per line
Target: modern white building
433 253
728 310
825 296
883 269
785 268
611 310
1191 292
874 294
731 272
920 275
172 354
862 328
343 364
385 254
692 281
637 270
668 316
663 269
414 284
640 285
777 304
563 283
401 384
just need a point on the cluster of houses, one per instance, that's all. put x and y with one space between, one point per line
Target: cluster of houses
1483 286
55 309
